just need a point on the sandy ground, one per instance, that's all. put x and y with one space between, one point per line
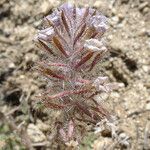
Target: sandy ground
129 63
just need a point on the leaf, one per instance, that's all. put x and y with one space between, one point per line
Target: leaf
52 64
83 109
64 20
84 59
54 106
101 110
95 61
59 46
48 72
67 93
49 22
45 100
80 32
45 47
60 36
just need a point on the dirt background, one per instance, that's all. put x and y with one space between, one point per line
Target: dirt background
129 63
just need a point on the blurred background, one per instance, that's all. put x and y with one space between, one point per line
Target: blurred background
24 125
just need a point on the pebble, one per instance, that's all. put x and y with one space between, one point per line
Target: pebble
145 68
114 20
22 76
30 57
122 135
146 10
143 5
45 7
72 144
35 134
48 5
142 32
101 97
97 4
100 4
11 65
114 11
102 144
42 126
148 106
124 139
115 95
37 23
121 16
116 45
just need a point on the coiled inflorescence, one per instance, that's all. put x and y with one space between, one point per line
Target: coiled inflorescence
72 38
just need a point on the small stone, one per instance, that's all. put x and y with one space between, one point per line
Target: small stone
11 65
33 88
116 45
121 16
72 144
124 140
110 37
114 20
122 135
98 4
143 5
102 144
125 143
148 106
101 97
146 10
142 32
106 133
115 94
145 68
29 57
35 134
22 76
48 5
114 11
42 126
37 23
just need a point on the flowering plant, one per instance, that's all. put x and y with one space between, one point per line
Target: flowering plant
72 38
